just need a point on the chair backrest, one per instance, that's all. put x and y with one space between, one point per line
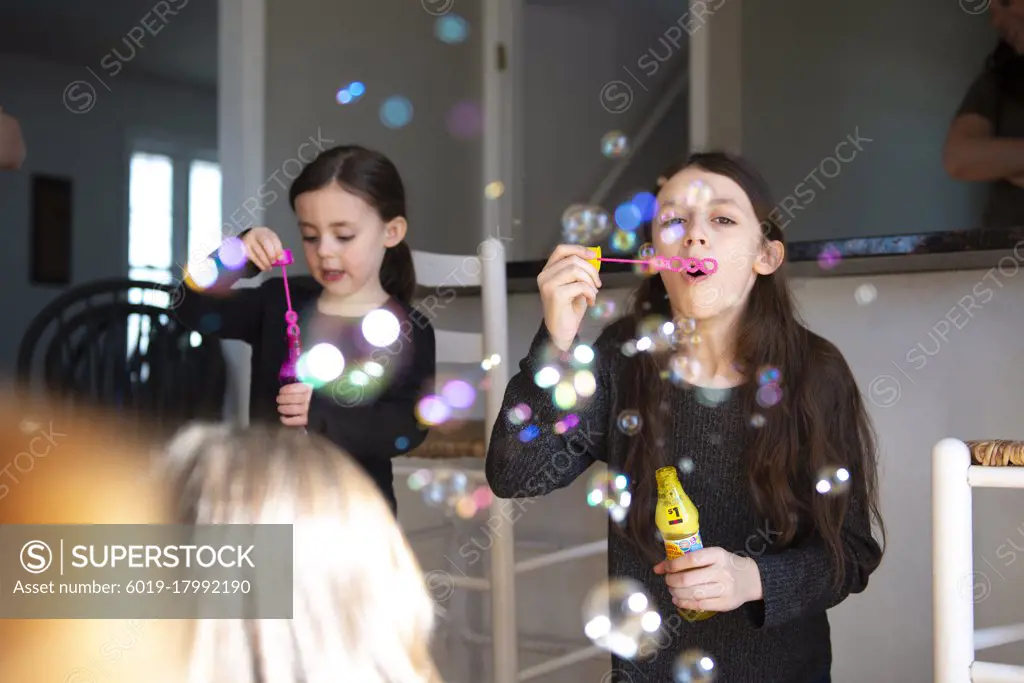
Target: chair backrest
485 270
113 344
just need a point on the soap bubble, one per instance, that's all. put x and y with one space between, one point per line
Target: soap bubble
396 112
699 194
459 394
757 420
610 490
865 294
693 666
623 241
494 190
325 362
647 251
614 144
520 414
628 216
768 375
829 258
629 422
620 616
583 224
381 328
684 369
451 28
603 310
465 121
832 481
769 395
432 410
686 465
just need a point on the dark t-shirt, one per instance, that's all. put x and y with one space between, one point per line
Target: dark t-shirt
1005 206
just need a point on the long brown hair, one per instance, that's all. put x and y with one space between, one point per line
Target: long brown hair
820 421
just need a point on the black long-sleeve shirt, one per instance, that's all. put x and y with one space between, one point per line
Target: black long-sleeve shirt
373 418
783 638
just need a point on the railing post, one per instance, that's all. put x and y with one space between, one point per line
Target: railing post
952 562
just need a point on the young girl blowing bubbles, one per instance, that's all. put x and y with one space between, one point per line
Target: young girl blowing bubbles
369 353
778 552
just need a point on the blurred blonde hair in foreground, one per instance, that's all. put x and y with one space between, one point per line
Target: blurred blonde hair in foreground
58 468
361 608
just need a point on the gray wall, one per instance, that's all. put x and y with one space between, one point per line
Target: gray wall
92 149
815 72
573 52
314 48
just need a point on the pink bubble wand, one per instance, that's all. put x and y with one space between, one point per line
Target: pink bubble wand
289 373
676 264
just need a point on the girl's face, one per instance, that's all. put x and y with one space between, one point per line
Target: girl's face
344 239
704 215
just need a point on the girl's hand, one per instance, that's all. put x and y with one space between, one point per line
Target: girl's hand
711 580
263 247
568 284
293 404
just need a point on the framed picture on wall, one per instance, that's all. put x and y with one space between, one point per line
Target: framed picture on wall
51 230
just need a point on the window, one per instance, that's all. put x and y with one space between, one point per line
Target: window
161 236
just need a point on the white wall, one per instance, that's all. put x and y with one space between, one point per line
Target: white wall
92 149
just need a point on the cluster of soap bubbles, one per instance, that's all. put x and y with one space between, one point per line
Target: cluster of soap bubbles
591 225
465 119
455 395
832 481
610 490
452 491
769 391
620 616
585 224
350 93
568 381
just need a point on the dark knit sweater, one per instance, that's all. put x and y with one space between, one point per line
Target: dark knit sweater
783 638
373 426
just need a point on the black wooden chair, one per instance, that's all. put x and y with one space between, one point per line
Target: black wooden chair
113 344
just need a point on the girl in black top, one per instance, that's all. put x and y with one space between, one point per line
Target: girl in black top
759 414
369 357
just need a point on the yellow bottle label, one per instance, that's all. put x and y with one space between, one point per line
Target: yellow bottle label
679 547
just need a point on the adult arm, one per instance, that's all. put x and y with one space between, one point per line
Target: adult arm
387 426
12 143
532 459
219 308
972 151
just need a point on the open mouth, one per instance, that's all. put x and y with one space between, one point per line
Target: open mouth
332 275
695 276
697 270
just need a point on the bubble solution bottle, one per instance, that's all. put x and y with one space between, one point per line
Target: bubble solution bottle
676 519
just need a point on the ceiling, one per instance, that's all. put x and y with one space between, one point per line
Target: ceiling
83 32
